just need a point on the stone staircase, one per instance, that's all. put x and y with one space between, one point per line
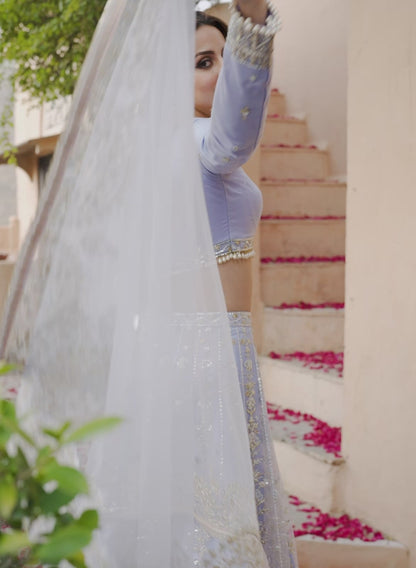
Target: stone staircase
302 240
302 249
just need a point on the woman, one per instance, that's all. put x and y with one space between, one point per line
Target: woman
232 76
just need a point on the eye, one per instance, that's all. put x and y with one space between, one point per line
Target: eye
204 63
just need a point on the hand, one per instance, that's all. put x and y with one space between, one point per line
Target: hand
254 9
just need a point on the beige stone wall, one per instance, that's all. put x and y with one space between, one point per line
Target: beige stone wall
380 373
36 121
310 68
9 237
221 11
27 197
7 174
39 125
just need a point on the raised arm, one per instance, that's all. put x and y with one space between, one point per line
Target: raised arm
254 9
242 89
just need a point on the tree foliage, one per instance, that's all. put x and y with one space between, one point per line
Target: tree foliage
47 41
43 44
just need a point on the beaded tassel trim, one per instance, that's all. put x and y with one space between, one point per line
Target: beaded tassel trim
237 249
252 44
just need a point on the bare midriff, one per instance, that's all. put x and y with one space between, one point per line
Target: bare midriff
236 279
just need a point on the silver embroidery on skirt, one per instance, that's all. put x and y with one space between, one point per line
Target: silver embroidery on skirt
271 502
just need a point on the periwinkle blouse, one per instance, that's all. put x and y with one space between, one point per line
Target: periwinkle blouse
230 136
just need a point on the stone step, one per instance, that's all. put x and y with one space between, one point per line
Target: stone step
308 471
277 103
292 385
284 130
302 237
318 544
317 528
312 478
293 163
307 331
292 282
314 552
297 198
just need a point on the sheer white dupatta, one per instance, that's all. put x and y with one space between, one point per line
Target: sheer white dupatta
116 306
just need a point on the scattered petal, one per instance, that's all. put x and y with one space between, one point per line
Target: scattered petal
329 527
301 218
321 434
301 259
320 360
307 306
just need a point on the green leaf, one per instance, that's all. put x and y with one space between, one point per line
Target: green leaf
9 423
64 543
13 542
44 456
25 436
51 433
69 479
64 519
77 560
93 428
7 411
50 503
89 519
21 460
5 434
57 434
8 498
6 368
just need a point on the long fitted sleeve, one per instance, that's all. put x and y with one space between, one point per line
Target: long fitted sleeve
241 95
227 139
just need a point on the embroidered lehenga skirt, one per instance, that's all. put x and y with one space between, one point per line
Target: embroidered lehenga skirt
271 503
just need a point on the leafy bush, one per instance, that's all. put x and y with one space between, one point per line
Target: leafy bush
37 526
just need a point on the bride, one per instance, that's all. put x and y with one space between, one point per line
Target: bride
232 78
117 304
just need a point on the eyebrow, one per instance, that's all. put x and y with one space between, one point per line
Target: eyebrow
208 52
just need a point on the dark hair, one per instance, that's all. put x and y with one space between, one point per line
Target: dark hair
203 19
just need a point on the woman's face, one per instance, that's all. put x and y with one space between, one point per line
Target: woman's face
209 47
